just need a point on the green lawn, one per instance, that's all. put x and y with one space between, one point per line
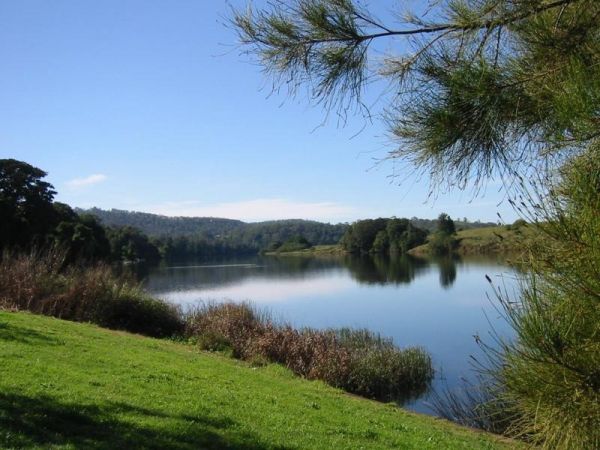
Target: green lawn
69 385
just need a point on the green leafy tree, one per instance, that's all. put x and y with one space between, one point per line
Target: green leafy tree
82 237
485 89
442 241
130 244
359 238
381 244
389 236
445 224
26 211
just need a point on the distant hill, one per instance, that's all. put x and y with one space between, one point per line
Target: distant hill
157 225
258 235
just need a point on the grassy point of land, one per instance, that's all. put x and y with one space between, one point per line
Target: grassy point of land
70 385
500 240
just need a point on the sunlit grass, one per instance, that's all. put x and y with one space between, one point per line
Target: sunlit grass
69 385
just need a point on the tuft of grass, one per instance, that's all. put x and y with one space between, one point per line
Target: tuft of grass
379 369
358 361
67 385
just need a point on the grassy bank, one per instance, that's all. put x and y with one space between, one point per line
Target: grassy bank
69 385
499 240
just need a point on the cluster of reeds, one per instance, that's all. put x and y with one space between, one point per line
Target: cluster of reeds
42 284
358 361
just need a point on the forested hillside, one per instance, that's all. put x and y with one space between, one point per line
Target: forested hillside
157 225
257 235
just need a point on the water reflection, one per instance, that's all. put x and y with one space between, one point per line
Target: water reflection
380 269
365 269
447 266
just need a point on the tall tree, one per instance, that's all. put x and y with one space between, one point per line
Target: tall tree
26 211
482 89
445 224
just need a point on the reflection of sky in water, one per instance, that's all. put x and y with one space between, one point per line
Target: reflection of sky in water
263 291
427 311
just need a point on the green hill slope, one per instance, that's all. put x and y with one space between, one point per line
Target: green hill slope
68 385
499 240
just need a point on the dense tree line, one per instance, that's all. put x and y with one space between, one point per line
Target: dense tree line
32 219
263 234
222 235
387 236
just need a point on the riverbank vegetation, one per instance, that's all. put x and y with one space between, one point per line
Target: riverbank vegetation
357 361
294 244
43 283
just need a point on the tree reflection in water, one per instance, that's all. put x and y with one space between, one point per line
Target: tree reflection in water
365 269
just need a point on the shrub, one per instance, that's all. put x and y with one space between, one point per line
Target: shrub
237 324
294 244
356 360
41 284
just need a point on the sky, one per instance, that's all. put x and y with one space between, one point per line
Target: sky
149 105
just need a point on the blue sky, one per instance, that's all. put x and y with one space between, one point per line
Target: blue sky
147 105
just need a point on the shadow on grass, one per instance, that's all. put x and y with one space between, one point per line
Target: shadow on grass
23 335
45 421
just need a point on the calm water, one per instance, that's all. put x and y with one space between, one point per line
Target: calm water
437 304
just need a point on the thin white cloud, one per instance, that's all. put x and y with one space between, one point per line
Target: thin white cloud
257 210
87 181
